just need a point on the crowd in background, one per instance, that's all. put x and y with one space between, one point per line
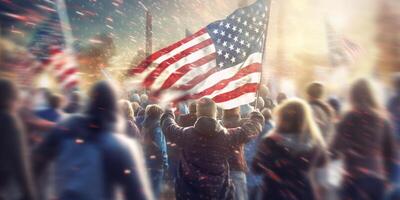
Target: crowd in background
101 146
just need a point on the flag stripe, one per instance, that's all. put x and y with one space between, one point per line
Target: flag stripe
253 68
174 77
66 74
247 88
143 65
148 81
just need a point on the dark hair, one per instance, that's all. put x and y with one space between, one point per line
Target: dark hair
192 107
315 90
103 106
54 100
8 94
362 96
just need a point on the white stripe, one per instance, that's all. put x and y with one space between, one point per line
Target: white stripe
68 80
236 102
254 77
186 60
194 73
215 78
140 77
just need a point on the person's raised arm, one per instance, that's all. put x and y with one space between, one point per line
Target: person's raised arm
249 129
171 130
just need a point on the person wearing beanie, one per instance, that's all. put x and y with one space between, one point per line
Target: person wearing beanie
203 171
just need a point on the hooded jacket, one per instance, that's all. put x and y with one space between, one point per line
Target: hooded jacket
204 170
285 160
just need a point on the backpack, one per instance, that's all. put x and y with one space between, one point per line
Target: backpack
79 164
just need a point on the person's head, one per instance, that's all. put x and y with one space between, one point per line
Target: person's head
396 82
315 90
281 98
264 91
192 108
206 107
153 111
126 109
75 97
8 95
335 104
266 112
231 113
135 98
103 106
260 103
362 96
144 98
294 116
54 101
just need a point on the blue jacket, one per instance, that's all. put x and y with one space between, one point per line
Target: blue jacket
155 145
250 150
49 114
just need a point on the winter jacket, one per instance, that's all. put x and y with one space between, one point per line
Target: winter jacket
285 161
49 114
187 120
367 143
133 131
394 109
122 158
155 145
323 115
203 170
236 160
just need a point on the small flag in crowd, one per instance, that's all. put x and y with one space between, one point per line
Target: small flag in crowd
343 51
221 61
49 47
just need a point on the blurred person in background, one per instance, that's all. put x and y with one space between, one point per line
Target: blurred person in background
91 160
323 116
237 165
254 182
136 108
260 104
394 106
128 114
203 171
144 100
337 108
34 125
53 112
74 103
365 142
288 154
190 118
281 97
15 170
155 147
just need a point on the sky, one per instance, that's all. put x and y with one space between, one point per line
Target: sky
302 22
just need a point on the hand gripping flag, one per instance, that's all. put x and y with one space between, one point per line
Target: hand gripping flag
222 61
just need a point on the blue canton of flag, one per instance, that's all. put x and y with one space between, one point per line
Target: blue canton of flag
240 34
48 39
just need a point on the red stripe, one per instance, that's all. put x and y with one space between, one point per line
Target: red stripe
67 73
70 85
247 88
174 77
144 64
149 80
253 68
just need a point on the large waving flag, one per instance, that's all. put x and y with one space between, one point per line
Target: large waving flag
50 48
222 61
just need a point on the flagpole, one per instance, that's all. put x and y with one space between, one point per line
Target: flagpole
267 18
66 29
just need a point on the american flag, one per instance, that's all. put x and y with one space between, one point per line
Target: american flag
222 61
49 47
343 51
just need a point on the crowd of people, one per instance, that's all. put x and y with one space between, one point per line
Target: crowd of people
102 146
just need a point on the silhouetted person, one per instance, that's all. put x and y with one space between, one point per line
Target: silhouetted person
91 160
365 142
14 162
53 112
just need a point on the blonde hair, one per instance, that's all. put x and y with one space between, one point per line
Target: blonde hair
126 109
153 111
295 116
